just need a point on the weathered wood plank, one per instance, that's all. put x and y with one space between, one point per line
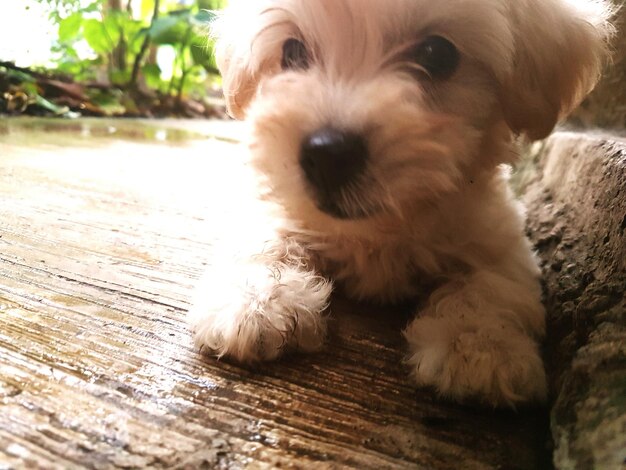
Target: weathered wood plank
100 246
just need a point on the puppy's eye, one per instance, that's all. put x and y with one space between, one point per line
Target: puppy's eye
436 56
295 55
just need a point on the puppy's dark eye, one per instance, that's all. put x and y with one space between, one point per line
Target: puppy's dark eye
436 56
295 55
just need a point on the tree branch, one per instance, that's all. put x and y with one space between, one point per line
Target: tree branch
144 48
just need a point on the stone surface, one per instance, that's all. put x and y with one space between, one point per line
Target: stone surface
574 186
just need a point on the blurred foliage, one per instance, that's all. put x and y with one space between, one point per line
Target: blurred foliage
113 47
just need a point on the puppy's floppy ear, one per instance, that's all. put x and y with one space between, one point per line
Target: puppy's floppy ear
233 56
560 49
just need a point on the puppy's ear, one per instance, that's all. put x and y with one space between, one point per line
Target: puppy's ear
233 56
560 49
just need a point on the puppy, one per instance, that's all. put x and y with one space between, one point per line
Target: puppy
378 132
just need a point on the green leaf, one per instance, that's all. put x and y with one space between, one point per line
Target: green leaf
152 74
49 106
69 27
195 83
114 27
211 4
120 76
19 76
200 52
134 33
109 101
70 68
203 18
101 39
118 20
170 29
30 88
92 7
69 53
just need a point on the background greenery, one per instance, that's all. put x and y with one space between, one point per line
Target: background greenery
130 55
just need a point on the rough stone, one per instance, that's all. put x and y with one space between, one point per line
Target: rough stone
574 186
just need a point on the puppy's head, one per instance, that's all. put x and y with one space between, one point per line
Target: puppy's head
361 107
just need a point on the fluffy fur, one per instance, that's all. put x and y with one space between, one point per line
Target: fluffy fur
439 211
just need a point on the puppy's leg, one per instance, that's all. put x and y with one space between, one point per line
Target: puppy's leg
478 337
254 308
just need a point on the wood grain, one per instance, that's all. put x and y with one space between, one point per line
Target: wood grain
101 241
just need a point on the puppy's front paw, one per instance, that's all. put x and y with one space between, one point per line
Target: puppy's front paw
495 364
254 312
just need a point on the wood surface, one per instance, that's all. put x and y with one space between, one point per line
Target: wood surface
102 236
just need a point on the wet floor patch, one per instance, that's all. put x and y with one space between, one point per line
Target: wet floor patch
33 131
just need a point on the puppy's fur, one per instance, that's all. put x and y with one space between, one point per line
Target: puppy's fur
432 206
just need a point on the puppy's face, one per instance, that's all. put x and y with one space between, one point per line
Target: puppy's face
363 108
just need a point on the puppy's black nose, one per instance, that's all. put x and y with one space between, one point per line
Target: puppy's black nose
332 158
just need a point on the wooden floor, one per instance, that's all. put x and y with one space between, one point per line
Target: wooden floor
102 235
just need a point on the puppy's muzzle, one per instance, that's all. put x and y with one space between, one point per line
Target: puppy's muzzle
332 161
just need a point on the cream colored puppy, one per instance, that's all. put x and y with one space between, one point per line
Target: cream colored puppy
379 130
